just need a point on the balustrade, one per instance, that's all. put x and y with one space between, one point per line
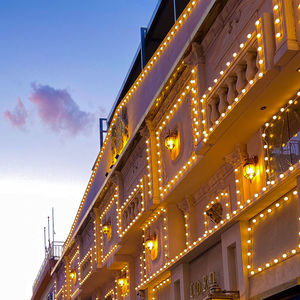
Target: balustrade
131 211
231 86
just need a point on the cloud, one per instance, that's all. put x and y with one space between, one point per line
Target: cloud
18 116
59 111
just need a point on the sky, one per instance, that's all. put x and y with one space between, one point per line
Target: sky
62 63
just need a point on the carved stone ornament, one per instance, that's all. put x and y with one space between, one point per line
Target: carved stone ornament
215 212
195 56
186 204
238 156
119 134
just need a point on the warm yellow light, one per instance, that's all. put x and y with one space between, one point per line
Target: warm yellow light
170 143
73 276
170 140
249 170
106 229
122 282
149 244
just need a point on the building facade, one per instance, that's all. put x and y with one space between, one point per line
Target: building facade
194 194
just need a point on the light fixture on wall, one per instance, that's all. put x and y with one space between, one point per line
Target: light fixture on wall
249 168
152 246
122 282
171 140
73 276
106 229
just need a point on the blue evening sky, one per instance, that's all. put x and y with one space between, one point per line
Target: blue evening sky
85 48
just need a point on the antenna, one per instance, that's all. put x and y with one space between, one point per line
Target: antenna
53 231
45 245
49 231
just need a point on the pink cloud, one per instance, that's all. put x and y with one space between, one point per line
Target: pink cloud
18 116
59 111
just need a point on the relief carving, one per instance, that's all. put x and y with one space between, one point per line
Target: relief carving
185 205
216 184
215 212
119 134
224 32
87 237
238 156
195 56
135 165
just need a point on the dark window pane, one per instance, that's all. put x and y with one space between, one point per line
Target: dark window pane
282 138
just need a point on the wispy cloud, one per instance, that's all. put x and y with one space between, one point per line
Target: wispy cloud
59 111
18 116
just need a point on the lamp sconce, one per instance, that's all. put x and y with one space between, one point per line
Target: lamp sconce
151 245
123 285
250 168
172 143
170 139
73 276
106 229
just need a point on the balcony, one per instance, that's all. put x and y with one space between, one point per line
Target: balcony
52 255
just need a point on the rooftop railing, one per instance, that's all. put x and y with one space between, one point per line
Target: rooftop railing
53 252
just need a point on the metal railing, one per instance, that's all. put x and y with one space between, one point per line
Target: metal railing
53 252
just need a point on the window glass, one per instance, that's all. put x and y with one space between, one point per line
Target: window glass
282 140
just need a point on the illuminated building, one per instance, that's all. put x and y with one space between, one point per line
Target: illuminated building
194 194
44 284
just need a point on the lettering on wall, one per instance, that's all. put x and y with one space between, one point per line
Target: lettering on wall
201 287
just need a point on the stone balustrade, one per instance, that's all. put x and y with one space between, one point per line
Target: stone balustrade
132 209
232 85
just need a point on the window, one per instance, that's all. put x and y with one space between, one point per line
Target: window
282 140
50 296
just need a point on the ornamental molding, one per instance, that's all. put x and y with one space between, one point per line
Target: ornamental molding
119 134
186 205
238 156
144 132
117 178
134 167
106 199
87 237
235 16
195 56
168 97
215 185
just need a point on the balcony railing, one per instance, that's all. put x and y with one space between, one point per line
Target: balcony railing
53 252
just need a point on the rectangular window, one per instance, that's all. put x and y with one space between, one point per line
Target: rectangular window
282 139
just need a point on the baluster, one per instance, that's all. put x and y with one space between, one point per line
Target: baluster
139 204
125 218
232 93
251 65
208 115
241 80
136 206
214 109
131 211
222 92
258 66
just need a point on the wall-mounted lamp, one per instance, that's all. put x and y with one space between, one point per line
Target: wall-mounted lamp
122 282
106 229
123 285
249 168
171 139
73 276
151 245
